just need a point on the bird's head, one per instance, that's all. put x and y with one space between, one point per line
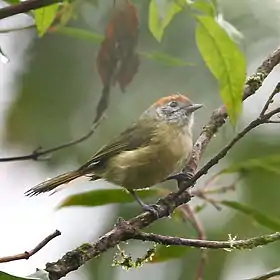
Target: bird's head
175 108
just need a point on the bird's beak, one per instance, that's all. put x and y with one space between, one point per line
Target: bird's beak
194 107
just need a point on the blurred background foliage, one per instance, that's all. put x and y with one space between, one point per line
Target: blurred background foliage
55 97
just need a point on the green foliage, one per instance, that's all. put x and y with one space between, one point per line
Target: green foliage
256 215
166 253
81 34
44 17
12 1
224 60
161 15
203 6
104 196
6 276
269 163
165 59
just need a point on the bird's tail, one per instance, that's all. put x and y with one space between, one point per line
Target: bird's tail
53 183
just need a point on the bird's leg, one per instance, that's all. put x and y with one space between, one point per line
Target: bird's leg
180 176
150 208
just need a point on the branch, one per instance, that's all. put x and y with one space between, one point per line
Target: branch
267 275
219 116
26 255
190 214
126 230
35 155
25 7
209 244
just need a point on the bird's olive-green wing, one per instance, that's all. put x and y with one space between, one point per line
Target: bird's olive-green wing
136 136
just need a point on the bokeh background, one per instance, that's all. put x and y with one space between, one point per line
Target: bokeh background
48 94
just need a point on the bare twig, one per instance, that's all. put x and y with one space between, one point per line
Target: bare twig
197 243
186 209
267 275
270 99
74 259
26 255
38 153
25 7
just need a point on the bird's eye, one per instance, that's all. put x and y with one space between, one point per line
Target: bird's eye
173 104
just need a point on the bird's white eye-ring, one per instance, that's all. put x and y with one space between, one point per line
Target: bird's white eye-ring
173 104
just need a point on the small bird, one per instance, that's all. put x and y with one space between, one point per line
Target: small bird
155 148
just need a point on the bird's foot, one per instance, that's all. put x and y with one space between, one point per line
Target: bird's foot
152 208
180 177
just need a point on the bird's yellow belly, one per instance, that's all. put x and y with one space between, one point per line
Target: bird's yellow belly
143 168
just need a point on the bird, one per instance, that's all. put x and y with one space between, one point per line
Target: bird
153 149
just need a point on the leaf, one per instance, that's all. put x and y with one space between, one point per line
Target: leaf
12 1
77 33
44 17
103 197
165 59
203 6
165 253
6 276
224 60
268 163
259 217
159 20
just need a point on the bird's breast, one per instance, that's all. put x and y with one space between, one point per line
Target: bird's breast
146 166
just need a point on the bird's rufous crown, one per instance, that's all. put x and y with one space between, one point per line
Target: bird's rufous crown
173 97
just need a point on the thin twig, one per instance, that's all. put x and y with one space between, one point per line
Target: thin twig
188 211
26 255
25 7
38 153
209 244
270 99
267 275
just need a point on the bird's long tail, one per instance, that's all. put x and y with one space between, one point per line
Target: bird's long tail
53 183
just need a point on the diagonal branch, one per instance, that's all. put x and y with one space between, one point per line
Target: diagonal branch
126 230
267 275
219 116
25 7
26 255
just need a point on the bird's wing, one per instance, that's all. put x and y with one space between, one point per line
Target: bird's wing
138 135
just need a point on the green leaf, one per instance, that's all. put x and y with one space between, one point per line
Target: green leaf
165 253
224 60
105 196
12 1
160 15
165 59
77 33
268 163
203 6
44 18
256 215
6 276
